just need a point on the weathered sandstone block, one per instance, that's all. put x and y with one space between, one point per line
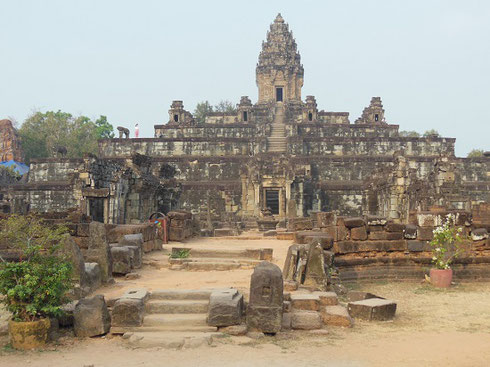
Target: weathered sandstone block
91 317
306 320
305 302
373 309
128 312
336 315
225 308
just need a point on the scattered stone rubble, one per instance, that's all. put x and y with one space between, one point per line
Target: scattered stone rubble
373 247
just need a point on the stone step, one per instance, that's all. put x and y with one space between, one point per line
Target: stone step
256 254
173 321
181 294
176 306
215 260
169 339
212 266
181 328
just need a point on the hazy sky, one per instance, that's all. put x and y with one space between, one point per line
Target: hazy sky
429 60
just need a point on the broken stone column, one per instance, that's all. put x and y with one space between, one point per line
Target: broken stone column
264 312
99 250
315 276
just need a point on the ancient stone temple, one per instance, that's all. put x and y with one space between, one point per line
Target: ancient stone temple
280 152
9 143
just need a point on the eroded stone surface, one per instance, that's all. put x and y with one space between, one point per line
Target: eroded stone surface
91 317
264 312
372 309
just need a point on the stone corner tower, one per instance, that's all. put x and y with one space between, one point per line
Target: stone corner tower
279 73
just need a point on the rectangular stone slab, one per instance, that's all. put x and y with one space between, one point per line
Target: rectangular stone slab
305 301
372 309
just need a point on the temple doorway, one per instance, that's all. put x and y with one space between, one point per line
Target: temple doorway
278 94
272 200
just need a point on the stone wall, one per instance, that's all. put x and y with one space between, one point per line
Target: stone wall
380 146
54 169
198 146
108 190
369 247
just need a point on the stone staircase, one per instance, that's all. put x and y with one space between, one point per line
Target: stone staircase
173 319
202 259
277 141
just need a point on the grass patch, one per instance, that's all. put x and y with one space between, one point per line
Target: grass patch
181 254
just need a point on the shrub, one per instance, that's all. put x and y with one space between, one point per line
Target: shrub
36 286
446 243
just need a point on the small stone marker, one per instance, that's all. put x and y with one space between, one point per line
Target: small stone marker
372 309
264 312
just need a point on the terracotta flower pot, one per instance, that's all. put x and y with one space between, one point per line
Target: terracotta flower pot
441 277
29 334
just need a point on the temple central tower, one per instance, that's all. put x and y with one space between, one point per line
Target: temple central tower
279 73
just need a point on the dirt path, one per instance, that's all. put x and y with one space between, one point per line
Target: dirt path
432 328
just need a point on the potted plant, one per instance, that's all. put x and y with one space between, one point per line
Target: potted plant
35 286
445 248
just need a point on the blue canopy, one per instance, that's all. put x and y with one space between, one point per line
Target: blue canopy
18 167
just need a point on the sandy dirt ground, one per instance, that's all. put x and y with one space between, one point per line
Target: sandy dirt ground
432 328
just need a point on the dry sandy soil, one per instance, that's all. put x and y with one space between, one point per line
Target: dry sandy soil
432 328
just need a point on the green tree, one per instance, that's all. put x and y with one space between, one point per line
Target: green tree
41 133
202 110
104 129
475 153
409 134
431 132
225 106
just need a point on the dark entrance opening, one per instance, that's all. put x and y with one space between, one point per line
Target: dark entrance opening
176 118
376 118
310 117
272 200
245 116
279 94
97 209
